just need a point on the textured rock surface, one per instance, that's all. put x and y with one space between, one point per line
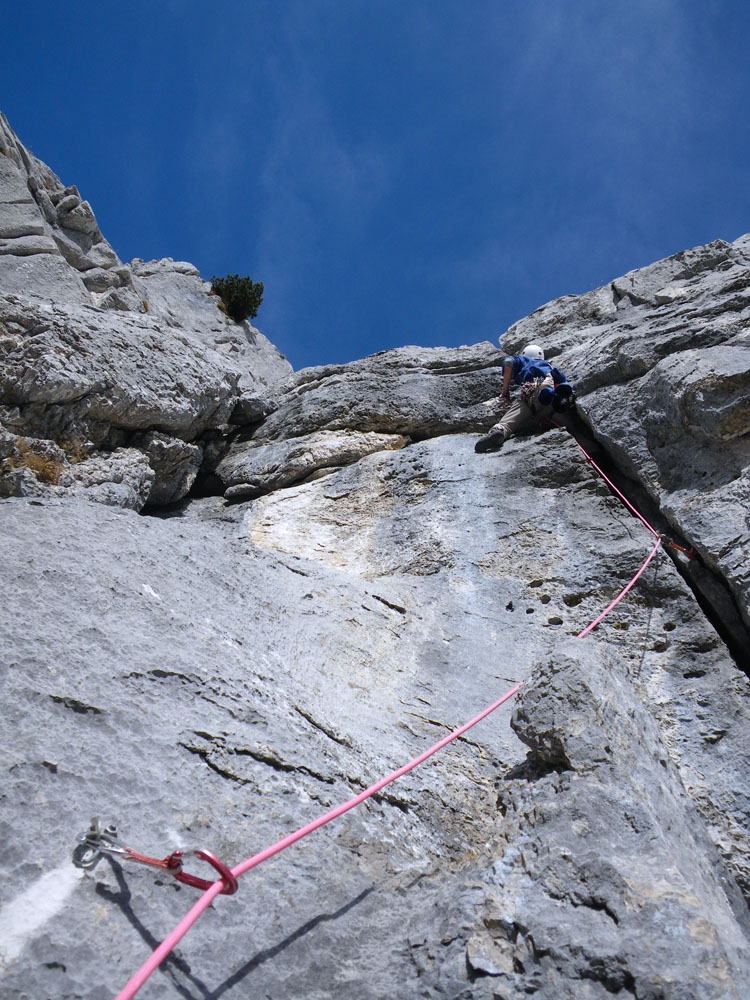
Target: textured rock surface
413 391
230 675
333 415
223 673
661 358
603 851
250 469
175 465
50 243
96 354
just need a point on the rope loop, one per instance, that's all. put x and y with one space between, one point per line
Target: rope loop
229 882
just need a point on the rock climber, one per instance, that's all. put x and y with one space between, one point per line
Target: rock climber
545 395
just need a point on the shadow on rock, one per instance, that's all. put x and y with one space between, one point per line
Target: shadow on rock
173 967
269 953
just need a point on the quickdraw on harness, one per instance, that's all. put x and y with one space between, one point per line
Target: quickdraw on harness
528 389
99 840
559 396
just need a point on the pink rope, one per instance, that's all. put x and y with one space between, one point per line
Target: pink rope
622 593
210 894
192 915
641 518
620 495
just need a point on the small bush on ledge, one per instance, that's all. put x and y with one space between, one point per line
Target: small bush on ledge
241 297
46 468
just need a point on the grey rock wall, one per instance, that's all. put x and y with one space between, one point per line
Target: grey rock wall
577 867
221 679
661 359
50 243
97 355
359 583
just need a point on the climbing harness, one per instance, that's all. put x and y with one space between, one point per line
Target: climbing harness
558 395
529 388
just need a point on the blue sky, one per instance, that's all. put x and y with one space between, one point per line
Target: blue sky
412 172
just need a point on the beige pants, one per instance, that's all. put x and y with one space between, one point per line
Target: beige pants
525 414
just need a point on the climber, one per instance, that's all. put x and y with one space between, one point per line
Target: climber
545 396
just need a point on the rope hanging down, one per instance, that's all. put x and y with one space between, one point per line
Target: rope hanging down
650 556
210 894
592 625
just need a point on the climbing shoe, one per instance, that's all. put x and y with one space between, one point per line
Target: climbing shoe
490 442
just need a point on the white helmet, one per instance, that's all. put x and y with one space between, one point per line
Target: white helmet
533 351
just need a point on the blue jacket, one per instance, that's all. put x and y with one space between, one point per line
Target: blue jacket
527 369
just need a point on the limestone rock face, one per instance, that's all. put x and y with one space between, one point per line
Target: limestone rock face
50 243
259 468
230 674
413 391
661 360
174 464
334 414
96 354
218 674
593 785
39 468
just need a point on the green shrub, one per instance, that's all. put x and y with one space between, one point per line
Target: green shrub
241 296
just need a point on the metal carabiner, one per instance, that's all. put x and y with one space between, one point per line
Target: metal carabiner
174 865
99 840
689 550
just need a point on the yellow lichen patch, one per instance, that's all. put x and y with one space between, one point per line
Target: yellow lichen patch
645 892
703 931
